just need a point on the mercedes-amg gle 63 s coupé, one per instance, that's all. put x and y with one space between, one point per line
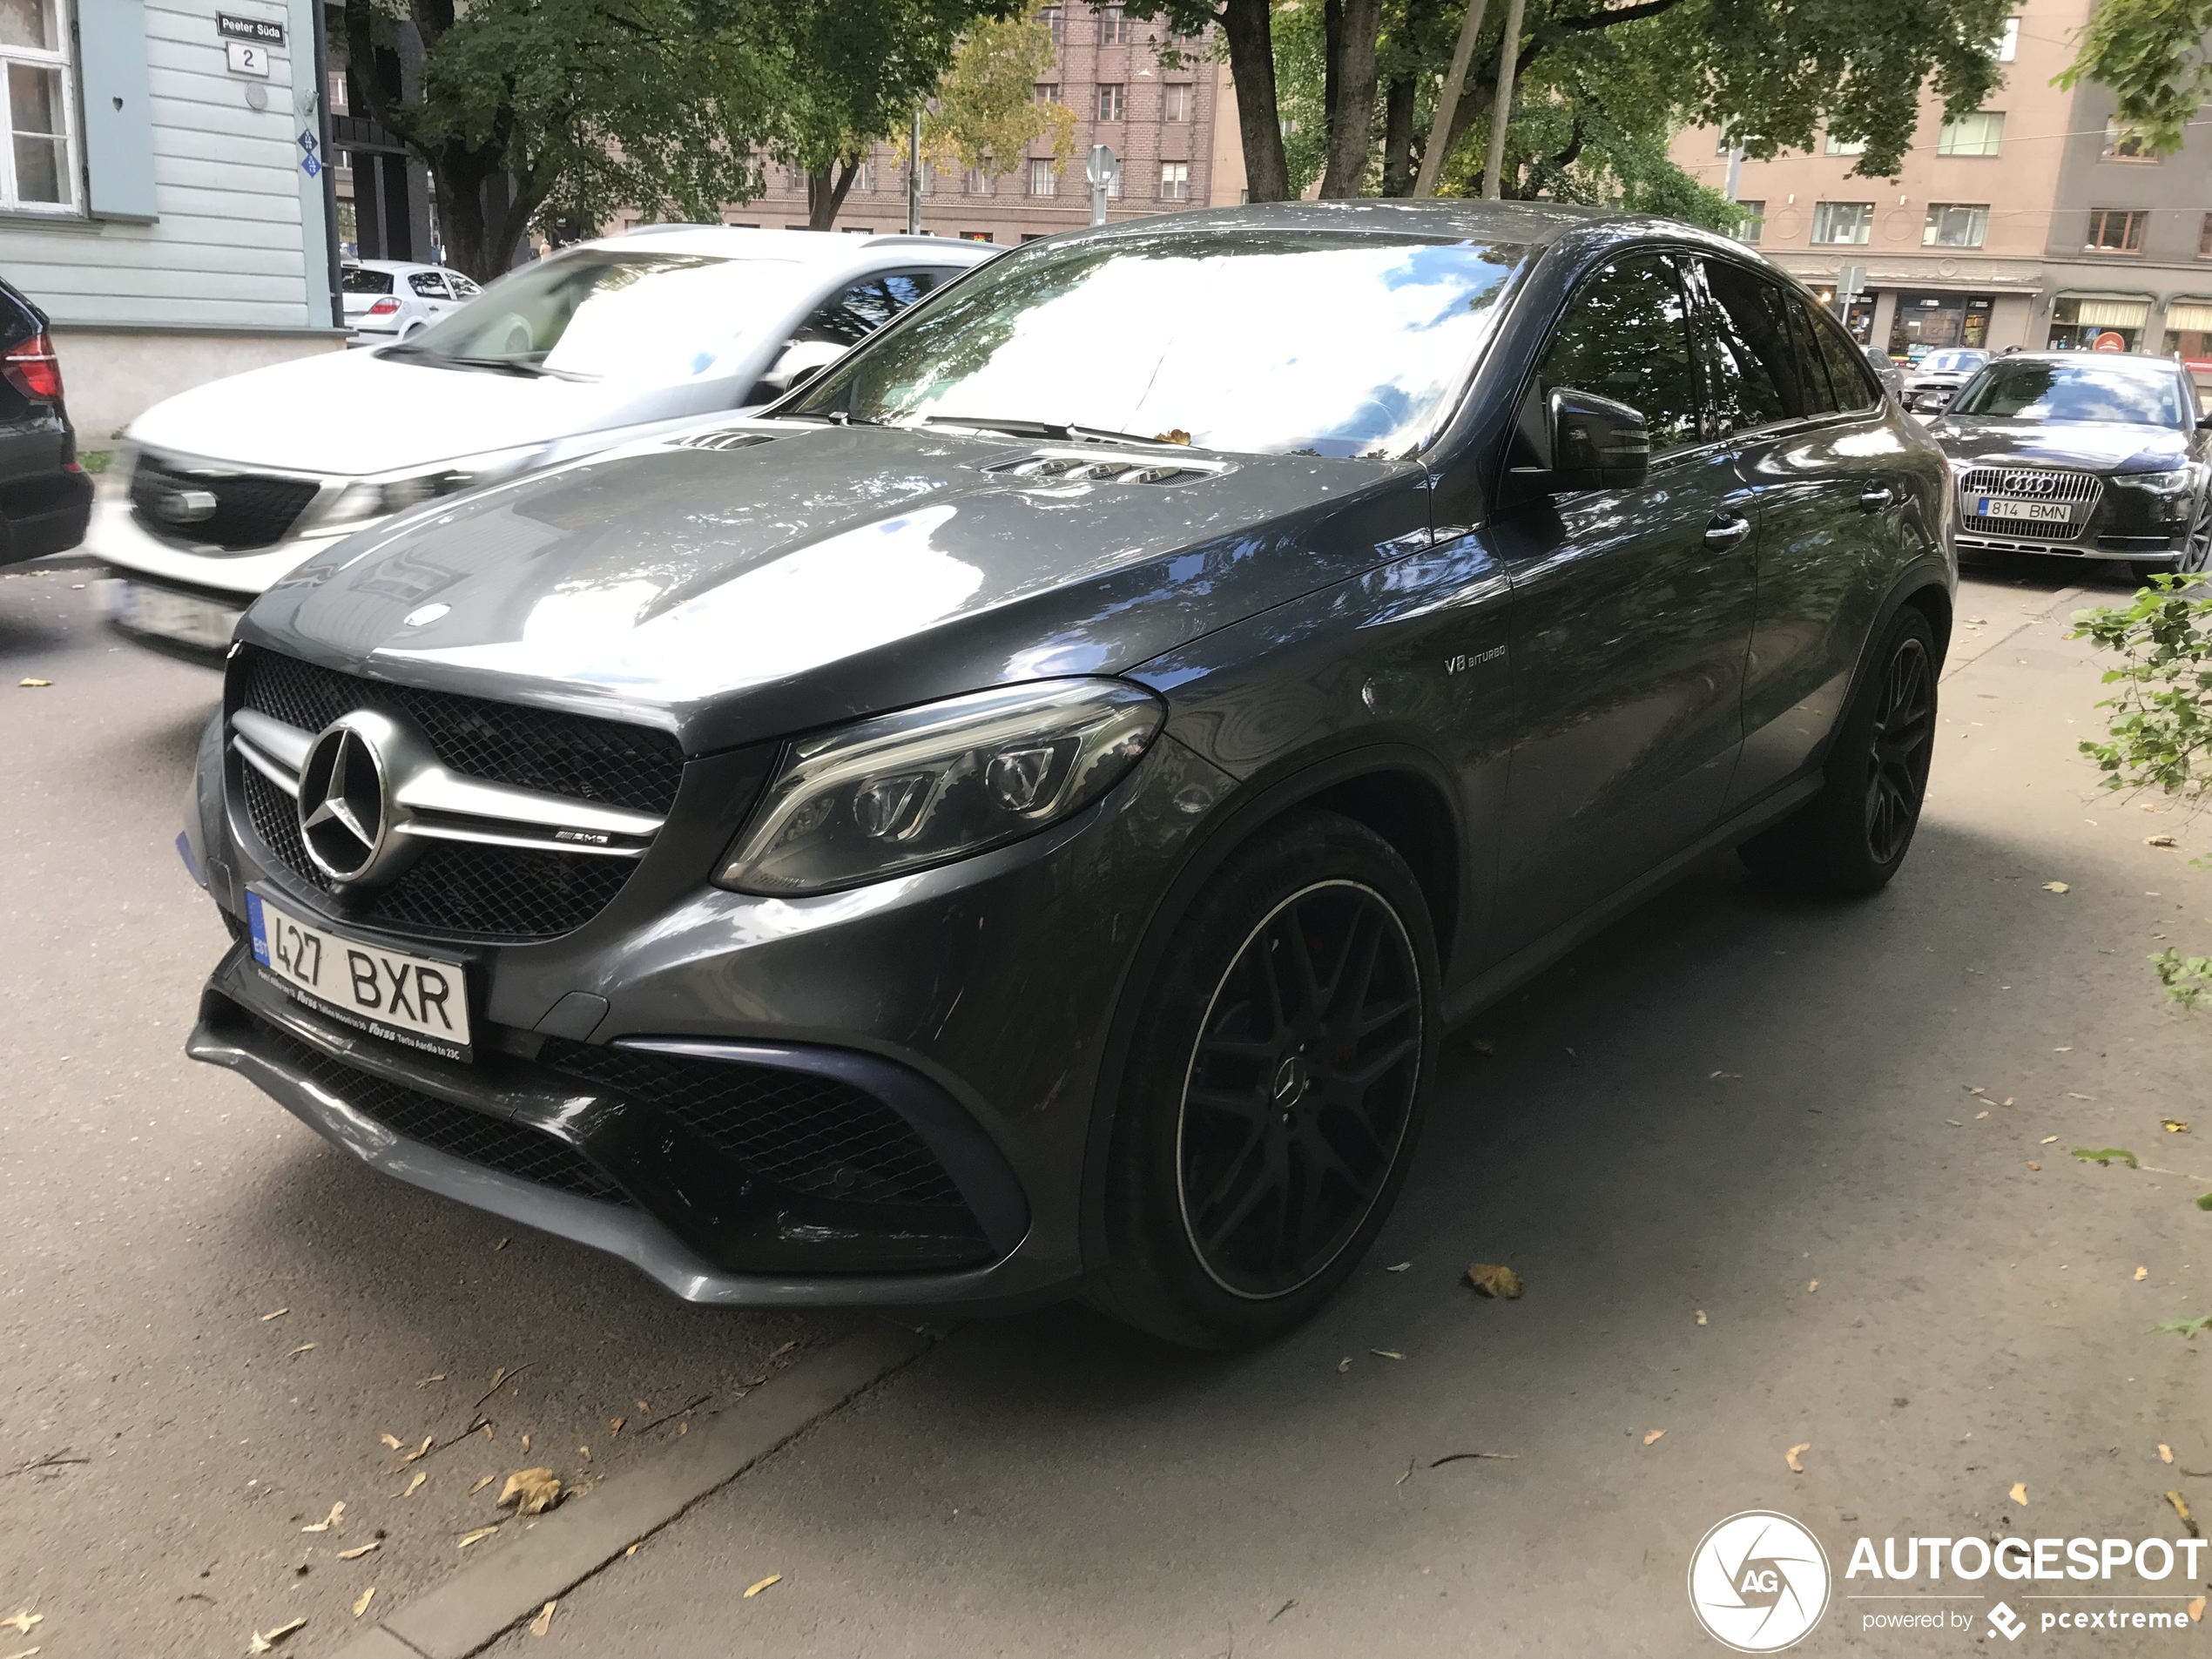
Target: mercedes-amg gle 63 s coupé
1019 817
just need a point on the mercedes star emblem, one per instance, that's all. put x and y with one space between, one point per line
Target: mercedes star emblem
343 816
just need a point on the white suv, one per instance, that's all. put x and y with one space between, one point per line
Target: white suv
229 486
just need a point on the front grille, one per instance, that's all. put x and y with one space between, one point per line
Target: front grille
2028 484
252 509
495 894
611 762
812 1134
513 1149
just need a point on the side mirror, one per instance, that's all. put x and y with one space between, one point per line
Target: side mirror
801 362
1595 444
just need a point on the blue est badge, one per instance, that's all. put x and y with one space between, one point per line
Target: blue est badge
259 928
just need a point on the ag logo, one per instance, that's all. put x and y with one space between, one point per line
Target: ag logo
1758 1581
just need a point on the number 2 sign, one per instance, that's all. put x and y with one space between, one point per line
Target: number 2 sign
246 58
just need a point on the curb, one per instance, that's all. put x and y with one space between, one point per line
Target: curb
552 1556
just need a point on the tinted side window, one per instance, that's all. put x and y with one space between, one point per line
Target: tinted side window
1760 377
1820 397
1854 382
907 286
1627 337
852 315
428 283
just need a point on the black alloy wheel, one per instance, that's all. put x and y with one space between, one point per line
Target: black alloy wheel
1300 1090
1902 743
2196 552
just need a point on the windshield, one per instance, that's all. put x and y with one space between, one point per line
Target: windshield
1954 362
2029 389
355 280
1271 342
605 314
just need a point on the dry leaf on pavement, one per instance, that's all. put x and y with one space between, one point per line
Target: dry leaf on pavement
1386 1353
329 1521
543 1622
2020 1493
265 1639
2197 1610
1397 1267
278 1314
392 1440
614 1425
1491 1279
1811 1286
1652 1438
359 1550
2159 840
2056 886
531 1491
773 1578
481 1484
2172 1126
2180 1507
1791 1457
1701 1316
360 1606
34 683
2165 1452
419 1479
305 1347
23 1620
2050 1140
1345 1364
2141 1273
476 1535
420 1450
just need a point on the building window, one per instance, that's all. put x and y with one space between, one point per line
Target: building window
1175 101
975 236
2204 239
1955 225
1113 26
334 93
2007 45
2124 142
1851 222
1112 100
1845 146
2189 333
41 171
1055 19
1977 134
1045 92
1174 181
2087 325
1043 180
981 181
1750 224
928 178
864 178
2116 230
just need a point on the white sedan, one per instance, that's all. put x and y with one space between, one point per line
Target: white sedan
229 486
387 299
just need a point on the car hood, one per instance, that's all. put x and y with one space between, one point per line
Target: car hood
735 594
2093 448
351 412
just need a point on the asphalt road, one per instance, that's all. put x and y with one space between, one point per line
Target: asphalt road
1734 1146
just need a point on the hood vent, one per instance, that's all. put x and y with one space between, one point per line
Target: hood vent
1077 466
722 438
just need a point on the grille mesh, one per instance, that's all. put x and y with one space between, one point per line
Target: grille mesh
458 888
514 1149
252 509
608 761
2079 489
812 1134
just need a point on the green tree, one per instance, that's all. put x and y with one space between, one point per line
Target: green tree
986 113
584 106
2151 53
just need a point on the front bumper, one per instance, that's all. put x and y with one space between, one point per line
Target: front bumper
117 538
973 1000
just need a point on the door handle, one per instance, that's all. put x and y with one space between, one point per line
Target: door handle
1876 498
1727 532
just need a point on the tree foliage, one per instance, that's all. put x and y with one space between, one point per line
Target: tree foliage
986 113
2160 733
2151 53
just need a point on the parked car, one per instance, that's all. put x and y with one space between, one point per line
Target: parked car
1937 378
46 495
2095 455
1886 371
1022 817
388 300
231 485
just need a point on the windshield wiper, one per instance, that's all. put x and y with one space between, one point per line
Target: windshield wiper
490 365
1060 430
835 417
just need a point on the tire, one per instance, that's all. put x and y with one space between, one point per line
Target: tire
2196 551
1852 837
1268 1109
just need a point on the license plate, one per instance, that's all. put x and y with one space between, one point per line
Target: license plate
181 617
2041 512
417 1000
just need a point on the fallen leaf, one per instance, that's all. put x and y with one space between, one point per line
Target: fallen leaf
1954 1123
424 1382
2020 1493
531 1491
1173 435
1345 1364
543 1622
1980 1116
644 1410
502 1244
2104 1154
1790 1457
478 1535
2165 1452
367 1596
481 1484
419 1479
2034 1166
2179 1503
614 1425
2197 1610
2141 1273
627 1554
2055 886
1652 1438
1812 1286
265 1639
2050 1140
2159 840
23 1620
2172 1126
22 1653
278 1314
778 1354
328 1520
683 1428
28 682
1490 1279
1398 1267
2008 1100
392 1440
1386 1353
526 1442
421 1450
359 1550
486 1429
584 1452
497 1377
1701 1316
773 1578
305 1347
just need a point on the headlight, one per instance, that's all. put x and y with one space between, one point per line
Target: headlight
940 782
2163 483
378 497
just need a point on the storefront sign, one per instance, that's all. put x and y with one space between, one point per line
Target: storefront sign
2109 341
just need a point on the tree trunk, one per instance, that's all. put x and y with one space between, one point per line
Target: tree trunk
1331 53
826 191
1252 66
1398 138
1352 66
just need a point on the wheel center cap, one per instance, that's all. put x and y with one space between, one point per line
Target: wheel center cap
1292 1081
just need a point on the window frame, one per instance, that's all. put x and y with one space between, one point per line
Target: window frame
2113 146
1042 167
2135 221
1113 25
1865 224
70 169
1182 191
1987 147
1176 101
1977 224
1116 92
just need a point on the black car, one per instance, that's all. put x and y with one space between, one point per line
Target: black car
1022 818
2097 455
45 494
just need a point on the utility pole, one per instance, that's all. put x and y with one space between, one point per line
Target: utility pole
913 175
1501 112
1100 172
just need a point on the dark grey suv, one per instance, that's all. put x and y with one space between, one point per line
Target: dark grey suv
1020 819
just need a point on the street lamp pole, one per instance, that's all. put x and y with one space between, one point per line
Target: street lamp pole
913 175
1101 174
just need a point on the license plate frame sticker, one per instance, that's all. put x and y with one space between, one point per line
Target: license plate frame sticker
2036 512
419 1001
